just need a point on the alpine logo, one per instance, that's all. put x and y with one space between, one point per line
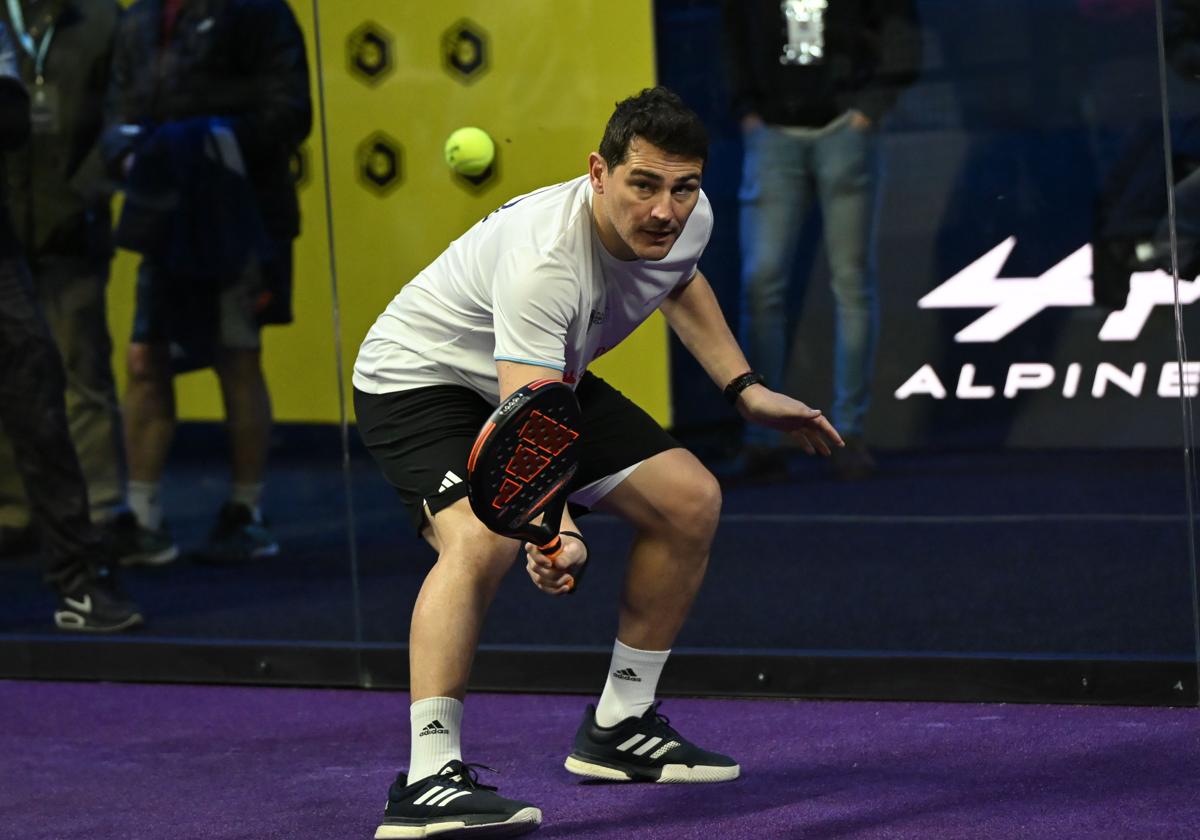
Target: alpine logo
449 481
1012 301
434 727
627 674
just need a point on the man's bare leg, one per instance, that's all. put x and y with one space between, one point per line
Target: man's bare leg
674 503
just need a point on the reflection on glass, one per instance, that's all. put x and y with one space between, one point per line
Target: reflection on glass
1023 415
1174 245
202 148
1025 422
1013 411
810 129
61 444
193 115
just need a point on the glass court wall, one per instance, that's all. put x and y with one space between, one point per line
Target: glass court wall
1029 409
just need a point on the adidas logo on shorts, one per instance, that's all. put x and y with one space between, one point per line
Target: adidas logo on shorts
449 481
627 674
434 727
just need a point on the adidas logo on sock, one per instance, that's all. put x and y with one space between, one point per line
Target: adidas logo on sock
434 727
627 674
449 481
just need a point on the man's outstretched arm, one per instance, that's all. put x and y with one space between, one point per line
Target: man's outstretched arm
696 317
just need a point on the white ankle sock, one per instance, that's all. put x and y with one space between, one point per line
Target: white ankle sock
632 681
145 504
436 735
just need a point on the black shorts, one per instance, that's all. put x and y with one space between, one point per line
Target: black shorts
197 316
421 439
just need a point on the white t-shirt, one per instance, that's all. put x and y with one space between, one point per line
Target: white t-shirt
530 283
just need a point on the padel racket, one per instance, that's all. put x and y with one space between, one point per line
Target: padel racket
523 461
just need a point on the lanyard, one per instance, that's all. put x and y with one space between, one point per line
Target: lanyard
36 51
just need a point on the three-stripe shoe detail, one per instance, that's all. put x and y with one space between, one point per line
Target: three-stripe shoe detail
627 674
647 744
644 749
440 796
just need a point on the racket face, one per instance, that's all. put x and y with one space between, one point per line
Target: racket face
524 459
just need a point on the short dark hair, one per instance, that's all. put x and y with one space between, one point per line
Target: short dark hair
659 116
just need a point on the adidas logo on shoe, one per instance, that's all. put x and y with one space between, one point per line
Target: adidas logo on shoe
449 481
627 674
434 727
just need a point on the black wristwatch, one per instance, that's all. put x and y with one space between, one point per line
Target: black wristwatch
740 383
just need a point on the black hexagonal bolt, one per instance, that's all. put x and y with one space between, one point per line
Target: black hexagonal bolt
379 162
369 53
464 46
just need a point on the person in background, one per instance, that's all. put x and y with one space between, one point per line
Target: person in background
208 100
58 198
810 81
33 416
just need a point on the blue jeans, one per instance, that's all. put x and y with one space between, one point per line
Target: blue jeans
838 166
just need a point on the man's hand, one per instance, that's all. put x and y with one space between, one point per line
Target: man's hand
860 121
553 576
774 410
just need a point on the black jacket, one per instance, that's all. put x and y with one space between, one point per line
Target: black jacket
14 129
243 60
872 51
58 193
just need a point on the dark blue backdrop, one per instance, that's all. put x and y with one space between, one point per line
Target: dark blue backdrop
1022 112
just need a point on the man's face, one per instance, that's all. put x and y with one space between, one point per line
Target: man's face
642 204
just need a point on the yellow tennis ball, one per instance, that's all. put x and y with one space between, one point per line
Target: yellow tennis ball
470 151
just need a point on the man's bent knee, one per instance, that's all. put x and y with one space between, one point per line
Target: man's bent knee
694 506
460 538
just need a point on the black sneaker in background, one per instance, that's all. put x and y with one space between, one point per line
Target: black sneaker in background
95 604
453 804
133 544
644 749
237 537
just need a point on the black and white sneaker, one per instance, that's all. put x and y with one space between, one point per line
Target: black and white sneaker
644 749
95 605
453 804
133 544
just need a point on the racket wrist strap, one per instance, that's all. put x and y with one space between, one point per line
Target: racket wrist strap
740 383
586 551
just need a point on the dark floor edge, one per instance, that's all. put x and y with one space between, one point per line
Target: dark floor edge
559 670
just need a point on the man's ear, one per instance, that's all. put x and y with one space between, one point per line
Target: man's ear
596 170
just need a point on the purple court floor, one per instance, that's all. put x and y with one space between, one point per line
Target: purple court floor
120 762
